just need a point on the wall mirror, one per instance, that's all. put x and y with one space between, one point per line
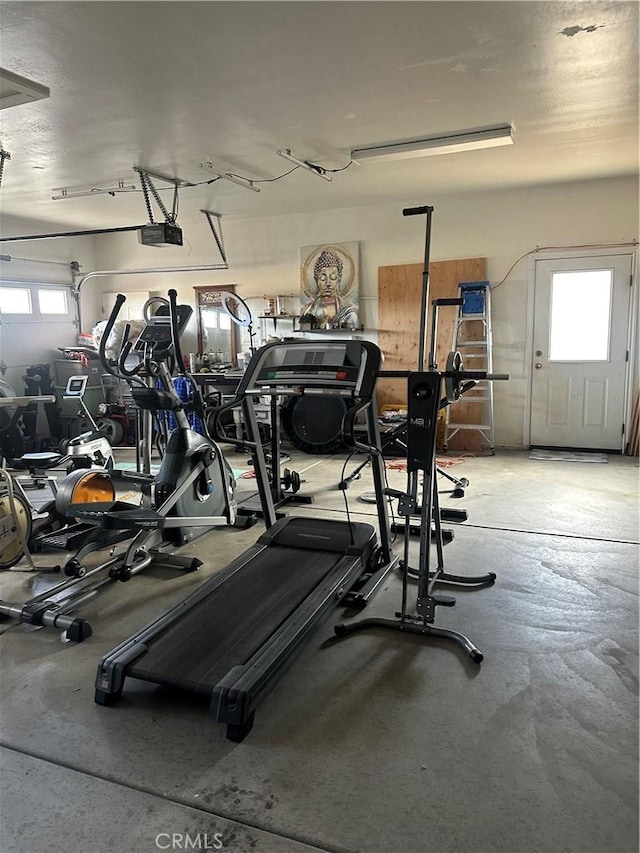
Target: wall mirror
217 333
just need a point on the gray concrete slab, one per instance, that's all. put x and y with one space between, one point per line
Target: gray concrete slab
382 741
47 807
146 595
511 491
593 500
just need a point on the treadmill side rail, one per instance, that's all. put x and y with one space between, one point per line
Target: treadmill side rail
236 696
112 669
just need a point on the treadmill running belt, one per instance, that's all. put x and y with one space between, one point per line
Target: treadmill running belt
226 627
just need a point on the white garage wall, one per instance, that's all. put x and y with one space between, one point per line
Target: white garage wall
264 254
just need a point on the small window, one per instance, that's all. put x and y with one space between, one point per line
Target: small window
15 300
52 301
580 315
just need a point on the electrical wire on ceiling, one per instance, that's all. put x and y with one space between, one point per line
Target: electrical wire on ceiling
342 168
561 249
320 170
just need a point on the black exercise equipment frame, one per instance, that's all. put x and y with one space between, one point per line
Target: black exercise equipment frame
424 402
243 626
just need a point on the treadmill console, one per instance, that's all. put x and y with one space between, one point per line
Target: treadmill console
331 367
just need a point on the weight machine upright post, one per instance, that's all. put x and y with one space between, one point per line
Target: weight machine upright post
434 334
378 471
426 515
416 211
425 288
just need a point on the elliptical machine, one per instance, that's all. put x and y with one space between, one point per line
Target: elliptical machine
194 487
193 490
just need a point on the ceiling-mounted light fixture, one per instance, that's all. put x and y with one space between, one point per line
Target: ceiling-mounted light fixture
241 182
310 167
16 90
464 140
65 193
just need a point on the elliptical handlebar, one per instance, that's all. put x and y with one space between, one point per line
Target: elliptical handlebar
197 400
152 300
126 348
417 211
175 332
102 349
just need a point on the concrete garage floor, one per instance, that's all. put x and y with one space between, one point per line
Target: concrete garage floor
377 742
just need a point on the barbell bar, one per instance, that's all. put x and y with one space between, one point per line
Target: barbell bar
454 376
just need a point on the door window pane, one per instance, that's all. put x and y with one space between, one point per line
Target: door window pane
15 300
52 301
580 315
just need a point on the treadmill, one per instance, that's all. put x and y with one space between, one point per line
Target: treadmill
233 637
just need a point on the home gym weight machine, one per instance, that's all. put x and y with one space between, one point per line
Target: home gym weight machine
424 402
193 490
232 638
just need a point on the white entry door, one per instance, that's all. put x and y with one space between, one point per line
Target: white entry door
581 320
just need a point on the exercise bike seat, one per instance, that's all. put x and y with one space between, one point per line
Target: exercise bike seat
38 460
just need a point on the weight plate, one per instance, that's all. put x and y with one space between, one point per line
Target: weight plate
452 383
314 424
12 553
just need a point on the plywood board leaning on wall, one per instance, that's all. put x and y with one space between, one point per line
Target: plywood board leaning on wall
399 298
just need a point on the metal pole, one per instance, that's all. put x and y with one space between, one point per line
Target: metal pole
86 233
97 273
412 478
417 211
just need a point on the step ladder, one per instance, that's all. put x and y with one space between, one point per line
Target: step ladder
472 339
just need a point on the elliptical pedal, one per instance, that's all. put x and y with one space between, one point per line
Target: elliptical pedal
67 540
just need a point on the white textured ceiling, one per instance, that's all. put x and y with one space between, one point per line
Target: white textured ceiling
167 85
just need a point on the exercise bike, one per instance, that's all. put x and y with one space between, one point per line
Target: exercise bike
193 490
21 523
